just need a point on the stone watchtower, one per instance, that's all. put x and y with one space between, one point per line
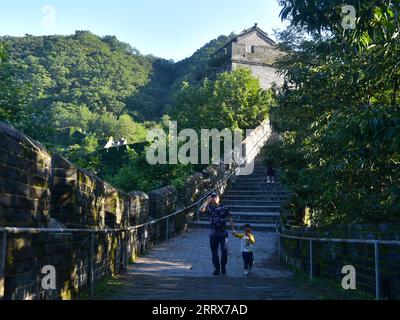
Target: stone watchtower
252 49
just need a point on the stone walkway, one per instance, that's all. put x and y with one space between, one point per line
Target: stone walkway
181 269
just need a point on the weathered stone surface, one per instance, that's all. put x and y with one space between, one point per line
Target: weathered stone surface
139 208
78 197
163 201
252 49
21 189
36 189
116 207
329 258
24 179
194 188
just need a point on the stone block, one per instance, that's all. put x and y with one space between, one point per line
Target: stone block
24 179
78 197
194 188
139 208
162 202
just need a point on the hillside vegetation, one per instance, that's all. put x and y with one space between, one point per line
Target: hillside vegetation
339 113
72 93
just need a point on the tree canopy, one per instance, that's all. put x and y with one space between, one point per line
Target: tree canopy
234 100
73 93
338 113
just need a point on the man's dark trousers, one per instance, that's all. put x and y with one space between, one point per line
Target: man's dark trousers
219 241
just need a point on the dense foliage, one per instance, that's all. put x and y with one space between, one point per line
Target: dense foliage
234 100
73 93
339 113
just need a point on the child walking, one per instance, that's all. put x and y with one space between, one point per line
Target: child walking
248 241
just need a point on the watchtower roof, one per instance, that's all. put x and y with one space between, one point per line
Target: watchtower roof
260 32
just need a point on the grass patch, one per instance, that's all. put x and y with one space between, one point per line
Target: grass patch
107 287
328 289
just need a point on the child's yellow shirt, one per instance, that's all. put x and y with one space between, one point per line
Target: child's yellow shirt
248 241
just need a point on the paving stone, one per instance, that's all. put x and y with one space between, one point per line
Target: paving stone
181 268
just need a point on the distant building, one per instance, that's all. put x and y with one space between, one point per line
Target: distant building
252 49
113 144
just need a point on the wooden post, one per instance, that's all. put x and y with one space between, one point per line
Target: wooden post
3 258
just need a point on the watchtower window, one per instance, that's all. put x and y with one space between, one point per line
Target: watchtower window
250 49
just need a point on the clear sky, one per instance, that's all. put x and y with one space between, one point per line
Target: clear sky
171 29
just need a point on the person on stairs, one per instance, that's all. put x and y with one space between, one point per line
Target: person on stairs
248 242
271 174
218 214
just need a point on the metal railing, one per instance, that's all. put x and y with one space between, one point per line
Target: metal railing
91 232
144 227
311 240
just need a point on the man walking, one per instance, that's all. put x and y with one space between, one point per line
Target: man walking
218 235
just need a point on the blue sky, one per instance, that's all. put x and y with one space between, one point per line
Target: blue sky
171 29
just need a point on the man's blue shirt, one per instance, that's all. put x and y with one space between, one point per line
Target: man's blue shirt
218 216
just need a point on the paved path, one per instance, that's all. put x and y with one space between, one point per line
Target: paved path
181 268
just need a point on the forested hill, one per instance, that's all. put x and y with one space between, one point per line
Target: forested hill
102 74
73 93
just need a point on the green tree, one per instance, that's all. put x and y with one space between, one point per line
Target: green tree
234 100
339 113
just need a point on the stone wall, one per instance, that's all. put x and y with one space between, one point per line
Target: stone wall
37 190
329 258
265 74
254 52
25 169
78 197
69 253
139 208
193 189
162 202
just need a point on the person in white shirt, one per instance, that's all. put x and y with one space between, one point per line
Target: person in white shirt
248 242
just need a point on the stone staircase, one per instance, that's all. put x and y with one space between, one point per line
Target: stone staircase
252 200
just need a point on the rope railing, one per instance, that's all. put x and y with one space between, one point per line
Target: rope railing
311 240
193 205
264 130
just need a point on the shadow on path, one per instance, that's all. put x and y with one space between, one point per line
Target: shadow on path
181 269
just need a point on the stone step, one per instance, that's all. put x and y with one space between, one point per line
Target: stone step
258 173
244 185
254 189
257 193
243 202
270 217
258 182
252 185
259 170
249 221
243 208
256 198
254 179
255 174
239 226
